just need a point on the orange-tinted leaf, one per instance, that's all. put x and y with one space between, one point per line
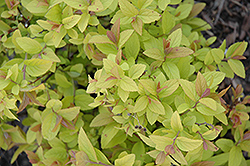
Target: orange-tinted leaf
67 124
33 158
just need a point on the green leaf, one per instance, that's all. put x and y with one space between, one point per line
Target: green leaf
127 160
163 4
58 36
136 71
4 27
124 36
147 16
236 49
62 81
101 120
132 46
220 159
49 54
171 70
127 8
149 85
83 22
69 113
83 100
151 116
189 89
86 146
209 102
100 39
37 67
225 68
123 94
108 134
137 24
235 156
187 144
56 153
147 141
70 22
96 6
179 52
127 84
224 144
77 4
156 106
237 67
222 117
29 45
141 104
48 124
200 84
168 21
176 122
154 53
183 11
175 38
160 141
54 14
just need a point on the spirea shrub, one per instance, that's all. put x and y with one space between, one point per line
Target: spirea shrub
119 82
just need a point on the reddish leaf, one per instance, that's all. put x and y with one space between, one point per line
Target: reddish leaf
67 124
116 29
58 121
36 128
246 136
33 158
206 93
112 37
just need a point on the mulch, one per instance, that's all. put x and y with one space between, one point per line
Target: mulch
230 20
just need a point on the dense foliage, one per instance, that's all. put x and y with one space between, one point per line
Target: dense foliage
119 82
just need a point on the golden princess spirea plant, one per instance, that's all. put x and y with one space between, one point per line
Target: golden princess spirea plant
119 82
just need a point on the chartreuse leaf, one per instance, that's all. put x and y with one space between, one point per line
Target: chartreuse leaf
127 160
136 71
146 140
237 49
141 103
237 67
83 22
127 84
77 4
147 16
4 27
225 144
171 70
200 84
29 45
151 116
69 113
163 4
189 89
179 52
101 120
139 150
235 156
48 124
56 153
49 54
175 38
168 21
132 46
62 80
187 144
225 68
176 122
209 102
71 21
37 67
183 11
108 134
149 85
156 106
127 8
215 54
222 117
154 53
213 133
86 146
124 36
160 141
96 6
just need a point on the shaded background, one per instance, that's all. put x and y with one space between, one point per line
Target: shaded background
229 19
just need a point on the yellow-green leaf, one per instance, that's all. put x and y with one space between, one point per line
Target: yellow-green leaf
86 146
187 144
71 21
127 8
37 67
176 122
29 45
127 160
237 67
235 156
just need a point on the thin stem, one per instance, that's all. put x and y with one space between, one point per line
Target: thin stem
199 124
39 55
24 67
175 138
